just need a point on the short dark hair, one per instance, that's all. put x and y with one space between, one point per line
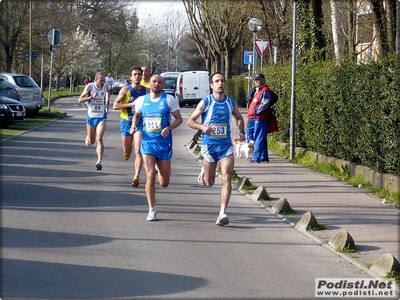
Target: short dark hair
216 73
137 69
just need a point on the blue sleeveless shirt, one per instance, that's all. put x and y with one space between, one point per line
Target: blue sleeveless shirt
156 116
217 114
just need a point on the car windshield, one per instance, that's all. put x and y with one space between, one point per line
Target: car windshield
25 81
170 83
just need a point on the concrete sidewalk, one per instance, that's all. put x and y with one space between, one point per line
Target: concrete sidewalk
373 225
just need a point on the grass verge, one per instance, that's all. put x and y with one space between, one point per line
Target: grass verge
44 116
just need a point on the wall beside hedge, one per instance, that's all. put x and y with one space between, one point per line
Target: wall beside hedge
351 112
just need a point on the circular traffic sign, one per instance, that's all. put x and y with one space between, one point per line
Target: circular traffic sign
54 36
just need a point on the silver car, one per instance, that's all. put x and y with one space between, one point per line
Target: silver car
23 83
25 96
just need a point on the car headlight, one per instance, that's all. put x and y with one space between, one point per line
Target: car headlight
3 106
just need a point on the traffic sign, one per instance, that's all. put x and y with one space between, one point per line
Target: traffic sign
35 55
54 36
249 57
262 46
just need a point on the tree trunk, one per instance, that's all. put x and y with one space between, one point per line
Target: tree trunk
398 28
379 26
351 29
390 6
337 42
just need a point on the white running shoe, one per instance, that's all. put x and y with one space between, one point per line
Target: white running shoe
87 142
200 178
222 220
151 216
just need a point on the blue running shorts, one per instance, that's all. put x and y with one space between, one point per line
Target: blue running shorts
215 152
125 127
161 151
95 121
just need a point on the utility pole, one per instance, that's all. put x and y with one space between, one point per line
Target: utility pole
30 38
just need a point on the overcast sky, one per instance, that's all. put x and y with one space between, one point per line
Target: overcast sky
155 8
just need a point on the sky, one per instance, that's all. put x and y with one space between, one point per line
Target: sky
155 8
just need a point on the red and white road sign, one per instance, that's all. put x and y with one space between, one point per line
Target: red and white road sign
262 46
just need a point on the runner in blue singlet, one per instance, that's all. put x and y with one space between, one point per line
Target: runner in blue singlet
216 111
97 97
154 111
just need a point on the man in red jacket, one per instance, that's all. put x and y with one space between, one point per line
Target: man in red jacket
258 117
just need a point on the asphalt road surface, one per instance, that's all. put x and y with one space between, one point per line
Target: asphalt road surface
70 231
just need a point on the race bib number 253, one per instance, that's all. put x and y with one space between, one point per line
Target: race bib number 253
219 131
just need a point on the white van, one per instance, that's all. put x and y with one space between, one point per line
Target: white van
192 86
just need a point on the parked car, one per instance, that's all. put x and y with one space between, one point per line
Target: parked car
170 80
26 82
25 96
192 87
11 111
118 84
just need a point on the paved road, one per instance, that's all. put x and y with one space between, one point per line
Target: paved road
70 231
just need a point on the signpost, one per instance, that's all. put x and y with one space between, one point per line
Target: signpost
262 47
249 58
54 38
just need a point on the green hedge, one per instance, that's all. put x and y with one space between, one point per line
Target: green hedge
350 112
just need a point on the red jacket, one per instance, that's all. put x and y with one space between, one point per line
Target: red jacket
255 104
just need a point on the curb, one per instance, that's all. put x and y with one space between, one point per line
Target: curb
292 222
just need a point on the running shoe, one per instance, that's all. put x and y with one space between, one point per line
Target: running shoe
99 166
222 220
200 178
135 181
87 142
126 157
151 216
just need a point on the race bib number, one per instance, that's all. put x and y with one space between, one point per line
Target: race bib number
153 124
97 106
219 131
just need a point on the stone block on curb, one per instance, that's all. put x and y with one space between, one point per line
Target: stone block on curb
281 204
242 182
386 264
197 135
192 143
260 194
342 239
306 220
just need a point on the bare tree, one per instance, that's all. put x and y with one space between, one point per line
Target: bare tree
175 27
217 27
13 23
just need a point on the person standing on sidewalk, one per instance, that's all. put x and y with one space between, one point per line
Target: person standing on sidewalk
215 111
125 102
97 97
110 81
257 119
154 110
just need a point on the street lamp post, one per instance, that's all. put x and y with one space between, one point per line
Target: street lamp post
255 26
293 95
